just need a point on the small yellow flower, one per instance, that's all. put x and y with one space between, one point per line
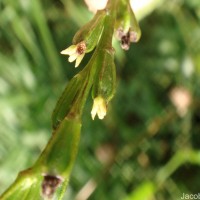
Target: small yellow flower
75 52
99 108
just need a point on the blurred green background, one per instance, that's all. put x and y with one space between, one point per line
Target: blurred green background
148 146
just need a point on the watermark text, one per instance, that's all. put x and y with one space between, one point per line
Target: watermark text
190 196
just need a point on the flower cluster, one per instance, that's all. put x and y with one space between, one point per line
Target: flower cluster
93 34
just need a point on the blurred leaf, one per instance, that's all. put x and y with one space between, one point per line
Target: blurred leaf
144 191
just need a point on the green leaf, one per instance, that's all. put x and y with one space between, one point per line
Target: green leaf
144 191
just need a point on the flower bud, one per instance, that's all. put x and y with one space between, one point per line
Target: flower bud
104 82
91 32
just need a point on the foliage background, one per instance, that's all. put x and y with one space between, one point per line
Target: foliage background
144 148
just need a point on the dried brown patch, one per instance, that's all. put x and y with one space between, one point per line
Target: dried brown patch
49 185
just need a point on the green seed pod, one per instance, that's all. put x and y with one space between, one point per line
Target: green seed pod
105 79
91 31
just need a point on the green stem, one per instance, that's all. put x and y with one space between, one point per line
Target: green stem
106 38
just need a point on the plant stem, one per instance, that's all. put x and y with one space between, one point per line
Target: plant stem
106 39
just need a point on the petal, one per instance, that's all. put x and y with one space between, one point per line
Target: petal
102 111
133 36
73 57
79 59
70 50
99 108
94 111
